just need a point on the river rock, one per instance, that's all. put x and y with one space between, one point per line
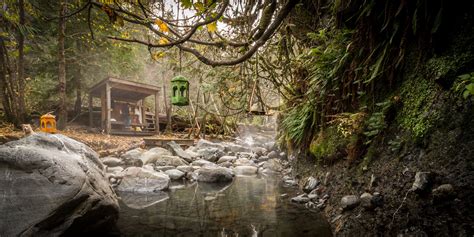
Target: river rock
137 179
175 174
185 168
111 161
422 182
272 165
164 168
226 164
214 174
270 146
203 144
210 154
114 170
366 200
142 200
443 191
349 202
303 198
231 147
226 159
149 167
259 151
154 154
132 157
170 161
202 163
178 151
311 184
245 170
273 155
246 155
263 158
53 185
243 161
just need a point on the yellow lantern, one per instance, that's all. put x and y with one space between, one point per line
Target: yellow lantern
48 123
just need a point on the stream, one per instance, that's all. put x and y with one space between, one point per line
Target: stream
249 206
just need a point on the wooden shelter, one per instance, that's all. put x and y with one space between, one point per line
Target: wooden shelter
122 107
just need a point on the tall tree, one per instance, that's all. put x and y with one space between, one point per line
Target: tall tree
62 65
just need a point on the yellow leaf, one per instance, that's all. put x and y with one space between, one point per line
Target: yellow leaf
163 41
163 26
212 27
157 55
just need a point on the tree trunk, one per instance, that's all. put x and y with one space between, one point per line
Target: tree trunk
62 66
21 114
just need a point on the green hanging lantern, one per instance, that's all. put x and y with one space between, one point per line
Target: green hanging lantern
180 91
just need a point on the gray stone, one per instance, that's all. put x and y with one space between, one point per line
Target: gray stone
44 175
192 176
263 158
226 159
245 170
243 161
185 168
313 196
154 154
175 174
422 182
170 161
111 161
164 168
269 146
214 174
178 151
203 144
234 148
201 163
259 151
132 157
136 179
311 184
148 167
303 198
226 164
210 154
443 191
273 155
349 202
246 155
273 165
366 200
282 155
116 169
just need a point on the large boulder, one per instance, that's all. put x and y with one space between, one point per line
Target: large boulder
170 161
176 149
152 155
214 174
140 180
234 148
52 185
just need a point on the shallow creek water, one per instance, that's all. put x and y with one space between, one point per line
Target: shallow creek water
249 206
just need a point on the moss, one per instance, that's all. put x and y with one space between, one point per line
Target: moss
327 144
417 114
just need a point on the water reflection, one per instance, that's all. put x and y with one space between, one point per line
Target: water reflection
250 206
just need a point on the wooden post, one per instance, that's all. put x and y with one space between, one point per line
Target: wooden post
108 101
157 113
91 109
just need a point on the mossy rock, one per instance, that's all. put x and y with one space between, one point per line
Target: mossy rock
328 145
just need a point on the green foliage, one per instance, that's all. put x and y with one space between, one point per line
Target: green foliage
298 124
465 85
376 123
417 115
327 143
